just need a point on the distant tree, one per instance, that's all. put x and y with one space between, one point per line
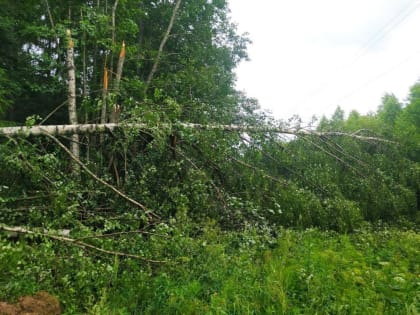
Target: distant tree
338 117
388 112
408 124
335 123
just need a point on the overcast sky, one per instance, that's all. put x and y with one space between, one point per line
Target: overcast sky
309 56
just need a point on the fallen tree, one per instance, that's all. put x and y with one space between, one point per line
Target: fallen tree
57 130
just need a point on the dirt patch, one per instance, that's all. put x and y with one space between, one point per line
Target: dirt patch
41 303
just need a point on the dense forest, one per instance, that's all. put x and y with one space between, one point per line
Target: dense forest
189 199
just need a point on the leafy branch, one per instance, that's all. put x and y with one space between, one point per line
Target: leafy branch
149 213
78 243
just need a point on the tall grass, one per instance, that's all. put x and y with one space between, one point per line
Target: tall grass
296 272
257 271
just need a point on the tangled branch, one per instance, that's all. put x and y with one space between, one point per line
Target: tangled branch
78 243
148 212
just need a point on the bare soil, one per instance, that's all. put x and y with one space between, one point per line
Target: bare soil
41 303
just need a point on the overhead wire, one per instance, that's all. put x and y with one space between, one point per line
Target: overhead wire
386 29
394 22
379 76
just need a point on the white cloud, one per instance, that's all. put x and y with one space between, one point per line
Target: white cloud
307 56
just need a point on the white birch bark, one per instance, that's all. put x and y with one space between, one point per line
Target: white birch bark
74 144
101 128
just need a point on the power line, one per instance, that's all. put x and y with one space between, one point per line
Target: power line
386 29
368 83
394 22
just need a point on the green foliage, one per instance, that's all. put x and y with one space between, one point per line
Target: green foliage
408 122
255 270
388 112
196 68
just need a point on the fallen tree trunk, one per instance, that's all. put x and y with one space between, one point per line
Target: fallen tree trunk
57 130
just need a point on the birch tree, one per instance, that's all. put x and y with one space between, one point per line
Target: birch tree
72 109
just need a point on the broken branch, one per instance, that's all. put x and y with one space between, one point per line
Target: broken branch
87 170
78 243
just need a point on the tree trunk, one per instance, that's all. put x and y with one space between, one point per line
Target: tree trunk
74 144
101 128
104 95
162 45
116 110
114 116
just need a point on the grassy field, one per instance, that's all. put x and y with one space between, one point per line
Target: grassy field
215 272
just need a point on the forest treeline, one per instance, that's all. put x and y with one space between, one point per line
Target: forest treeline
178 67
